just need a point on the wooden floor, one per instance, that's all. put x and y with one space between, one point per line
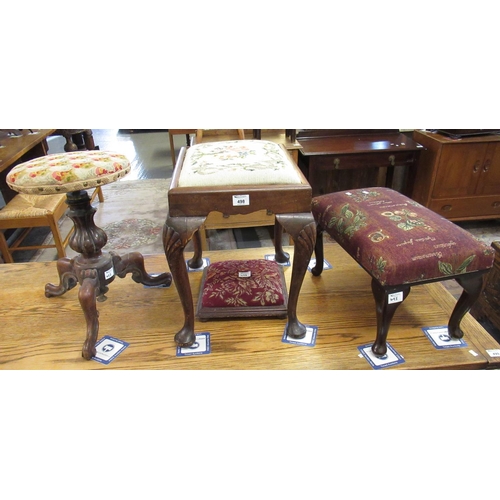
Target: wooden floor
42 333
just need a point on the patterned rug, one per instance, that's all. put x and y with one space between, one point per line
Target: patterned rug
133 214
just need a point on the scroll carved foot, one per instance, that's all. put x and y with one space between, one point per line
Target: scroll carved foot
134 263
67 279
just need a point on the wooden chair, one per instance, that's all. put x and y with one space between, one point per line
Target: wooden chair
27 211
179 131
212 134
77 139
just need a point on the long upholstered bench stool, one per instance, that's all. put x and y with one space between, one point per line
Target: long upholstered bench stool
400 244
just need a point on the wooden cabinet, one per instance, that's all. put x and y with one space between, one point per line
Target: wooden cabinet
459 178
337 160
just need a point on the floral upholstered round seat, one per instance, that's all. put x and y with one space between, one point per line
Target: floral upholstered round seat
65 172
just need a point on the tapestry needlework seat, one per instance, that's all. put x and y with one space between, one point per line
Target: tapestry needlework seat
400 244
243 288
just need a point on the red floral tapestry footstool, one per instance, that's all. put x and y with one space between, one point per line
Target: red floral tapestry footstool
243 288
400 244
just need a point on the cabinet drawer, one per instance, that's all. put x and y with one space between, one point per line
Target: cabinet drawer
462 208
368 160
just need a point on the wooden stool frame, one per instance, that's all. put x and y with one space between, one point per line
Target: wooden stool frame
188 210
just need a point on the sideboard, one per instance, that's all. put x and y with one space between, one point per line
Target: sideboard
336 160
459 178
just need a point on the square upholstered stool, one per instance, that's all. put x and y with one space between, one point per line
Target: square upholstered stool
400 244
237 177
243 288
75 173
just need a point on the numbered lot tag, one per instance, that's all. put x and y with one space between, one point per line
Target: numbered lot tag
441 339
271 256
241 200
392 358
312 263
200 346
309 340
206 263
394 298
109 273
108 348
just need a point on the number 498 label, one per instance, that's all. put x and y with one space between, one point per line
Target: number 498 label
240 200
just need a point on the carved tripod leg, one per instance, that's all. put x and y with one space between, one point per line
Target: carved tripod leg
280 256
67 279
302 229
385 312
88 296
133 262
318 253
473 286
176 233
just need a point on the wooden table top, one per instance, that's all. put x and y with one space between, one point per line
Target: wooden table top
444 139
351 144
16 146
42 333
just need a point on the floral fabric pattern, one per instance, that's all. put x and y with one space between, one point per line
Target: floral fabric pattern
243 162
65 172
396 239
243 283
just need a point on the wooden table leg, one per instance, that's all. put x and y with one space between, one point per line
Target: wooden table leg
302 228
176 234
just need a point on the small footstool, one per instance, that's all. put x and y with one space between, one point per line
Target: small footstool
400 244
74 173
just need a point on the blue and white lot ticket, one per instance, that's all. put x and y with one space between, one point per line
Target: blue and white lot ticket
309 340
206 263
392 358
312 263
201 346
441 339
108 348
271 256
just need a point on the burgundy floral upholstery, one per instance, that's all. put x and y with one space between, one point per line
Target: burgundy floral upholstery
243 283
397 240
